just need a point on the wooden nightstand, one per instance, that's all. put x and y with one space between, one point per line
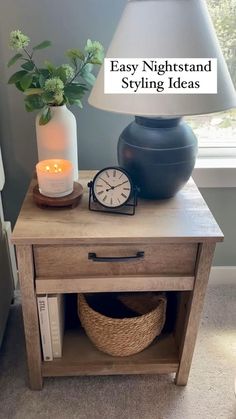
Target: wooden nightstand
178 237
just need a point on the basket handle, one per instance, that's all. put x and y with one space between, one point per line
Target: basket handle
95 258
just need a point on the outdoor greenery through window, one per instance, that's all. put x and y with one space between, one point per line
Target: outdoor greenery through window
216 133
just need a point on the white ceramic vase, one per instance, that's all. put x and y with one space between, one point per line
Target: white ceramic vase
58 138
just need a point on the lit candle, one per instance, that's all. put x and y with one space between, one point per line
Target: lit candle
55 177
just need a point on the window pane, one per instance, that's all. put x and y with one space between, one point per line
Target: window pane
219 130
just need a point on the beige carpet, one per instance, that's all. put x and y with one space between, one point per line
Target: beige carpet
208 395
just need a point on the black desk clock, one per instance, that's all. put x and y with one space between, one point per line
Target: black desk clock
112 190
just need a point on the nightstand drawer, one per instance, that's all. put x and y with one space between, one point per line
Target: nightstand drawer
108 260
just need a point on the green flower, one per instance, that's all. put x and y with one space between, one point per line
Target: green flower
54 85
68 71
55 88
18 40
58 98
96 50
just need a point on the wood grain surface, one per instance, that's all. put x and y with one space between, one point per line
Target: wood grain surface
67 261
30 315
194 310
178 237
114 284
80 357
185 217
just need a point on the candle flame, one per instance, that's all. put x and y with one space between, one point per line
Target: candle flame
55 168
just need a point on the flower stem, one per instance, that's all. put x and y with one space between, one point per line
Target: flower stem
30 57
81 68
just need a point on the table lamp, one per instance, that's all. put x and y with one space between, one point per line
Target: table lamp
158 148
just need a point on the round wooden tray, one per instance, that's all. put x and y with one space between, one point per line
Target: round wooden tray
71 200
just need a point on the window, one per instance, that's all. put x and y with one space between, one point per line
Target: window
216 133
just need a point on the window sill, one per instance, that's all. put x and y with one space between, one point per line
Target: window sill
215 172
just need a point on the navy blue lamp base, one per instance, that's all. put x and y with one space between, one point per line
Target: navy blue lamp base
159 155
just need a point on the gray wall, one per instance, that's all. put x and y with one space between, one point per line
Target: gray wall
222 203
68 24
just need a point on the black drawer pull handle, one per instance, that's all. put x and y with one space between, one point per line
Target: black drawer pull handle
95 258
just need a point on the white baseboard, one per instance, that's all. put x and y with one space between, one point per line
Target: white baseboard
223 275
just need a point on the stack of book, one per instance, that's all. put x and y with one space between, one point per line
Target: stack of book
51 320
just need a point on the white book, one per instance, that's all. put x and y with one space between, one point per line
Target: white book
56 319
44 327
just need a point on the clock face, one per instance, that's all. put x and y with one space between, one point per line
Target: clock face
112 187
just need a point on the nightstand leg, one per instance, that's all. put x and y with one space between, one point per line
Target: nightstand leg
30 315
194 310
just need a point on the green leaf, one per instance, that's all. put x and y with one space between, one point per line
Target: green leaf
48 97
41 80
26 81
36 79
14 59
76 87
34 102
18 86
33 91
59 72
75 102
16 76
74 91
79 103
75 53
28 107
74 62
42 45
96 60
44 72
88 77
51 68
81 85
29 66
45 116
88 68
40 77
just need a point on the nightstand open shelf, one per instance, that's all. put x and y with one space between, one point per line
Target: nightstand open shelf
177 239
81 357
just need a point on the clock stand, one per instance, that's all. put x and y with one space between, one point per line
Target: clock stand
127 209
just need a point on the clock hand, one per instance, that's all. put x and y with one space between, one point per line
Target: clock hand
113 187
106 182
116 186
120 184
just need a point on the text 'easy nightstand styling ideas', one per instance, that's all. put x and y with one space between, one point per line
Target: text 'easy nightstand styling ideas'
159 148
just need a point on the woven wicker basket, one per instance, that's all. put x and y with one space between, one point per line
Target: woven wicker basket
127 336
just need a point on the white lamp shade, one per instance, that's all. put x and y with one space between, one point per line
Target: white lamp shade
166 29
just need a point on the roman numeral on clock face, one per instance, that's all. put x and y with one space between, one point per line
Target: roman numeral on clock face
112 187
